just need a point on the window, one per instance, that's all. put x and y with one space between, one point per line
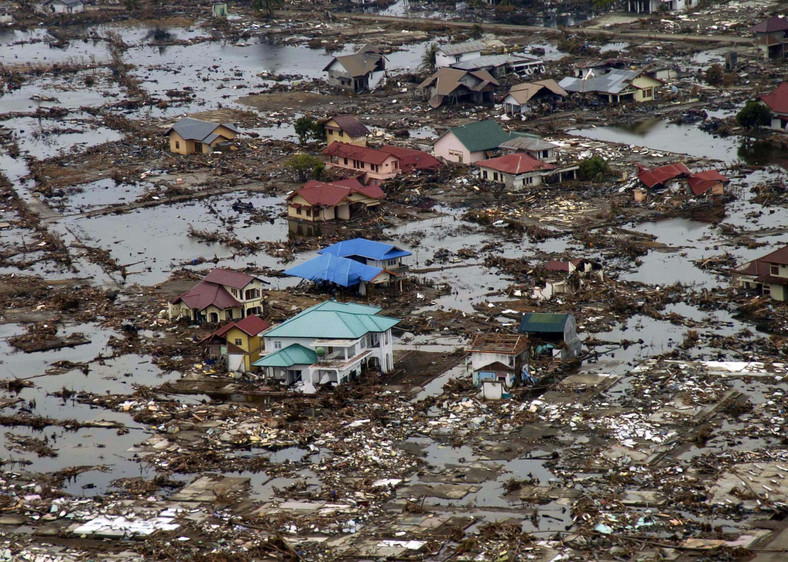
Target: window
277 345
495 176
395 164
252 294
345 159
229 314
774 270
238 341
309 212
341 133
484 174
177 144
298 210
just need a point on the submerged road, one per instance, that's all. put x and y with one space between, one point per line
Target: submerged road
612 33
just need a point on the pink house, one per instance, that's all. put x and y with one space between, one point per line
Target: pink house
374 166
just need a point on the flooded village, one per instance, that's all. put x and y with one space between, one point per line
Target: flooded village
393 280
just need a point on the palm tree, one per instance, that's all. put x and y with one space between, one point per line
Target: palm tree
428 59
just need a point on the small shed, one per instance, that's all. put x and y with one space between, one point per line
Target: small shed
558 330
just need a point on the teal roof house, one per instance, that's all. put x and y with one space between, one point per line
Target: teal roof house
329 343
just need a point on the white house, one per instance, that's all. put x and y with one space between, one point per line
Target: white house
651 6
64 6
499 358
446 55
329 343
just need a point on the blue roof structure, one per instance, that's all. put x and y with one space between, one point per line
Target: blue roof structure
333 269
333 320
363 248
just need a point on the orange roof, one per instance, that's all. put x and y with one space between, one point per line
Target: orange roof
515 163
410 159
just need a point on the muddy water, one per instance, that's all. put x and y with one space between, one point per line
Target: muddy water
90 446
163 244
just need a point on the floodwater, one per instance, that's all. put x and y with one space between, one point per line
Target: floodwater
89 446
660 134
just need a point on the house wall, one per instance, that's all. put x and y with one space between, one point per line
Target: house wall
180 310
479 359
180 146
451 149
778 292
252 345
779 122
511 106
334 133
383 351
442 59
512 181
58 8
645 88
249 305
373 173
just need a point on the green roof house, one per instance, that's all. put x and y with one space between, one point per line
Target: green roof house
471 142
329 343
559 330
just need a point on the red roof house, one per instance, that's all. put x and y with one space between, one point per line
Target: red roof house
375 166
515 170
222 294
768 273
777 101
699 183
320 201
411 160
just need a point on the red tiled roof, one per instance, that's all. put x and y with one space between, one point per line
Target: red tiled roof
778 99
701 182
774 23
252 325
779 257
205 294
321 194
360 153
515 163
410 159
351 125
352 183
229 278
766 278
656 176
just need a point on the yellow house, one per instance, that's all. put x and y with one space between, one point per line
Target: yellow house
319 201
239 341
192 135
346 128
616 85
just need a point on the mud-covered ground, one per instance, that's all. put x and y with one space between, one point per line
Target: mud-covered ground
667 441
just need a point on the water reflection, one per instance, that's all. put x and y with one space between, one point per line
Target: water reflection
660 134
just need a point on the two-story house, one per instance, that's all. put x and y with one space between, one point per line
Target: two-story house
239 342
373 166
771 37
769 274
329 343
358 72
346 128
499 358
222 295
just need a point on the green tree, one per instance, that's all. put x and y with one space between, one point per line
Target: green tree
429 58
714 75
266 7
603 4
476 31
593 169
306 165
303 129
754 115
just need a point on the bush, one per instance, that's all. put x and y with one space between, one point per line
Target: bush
754 115
306 165
714 75
593 169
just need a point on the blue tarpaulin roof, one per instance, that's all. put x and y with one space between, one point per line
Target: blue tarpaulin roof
363 248
328 267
